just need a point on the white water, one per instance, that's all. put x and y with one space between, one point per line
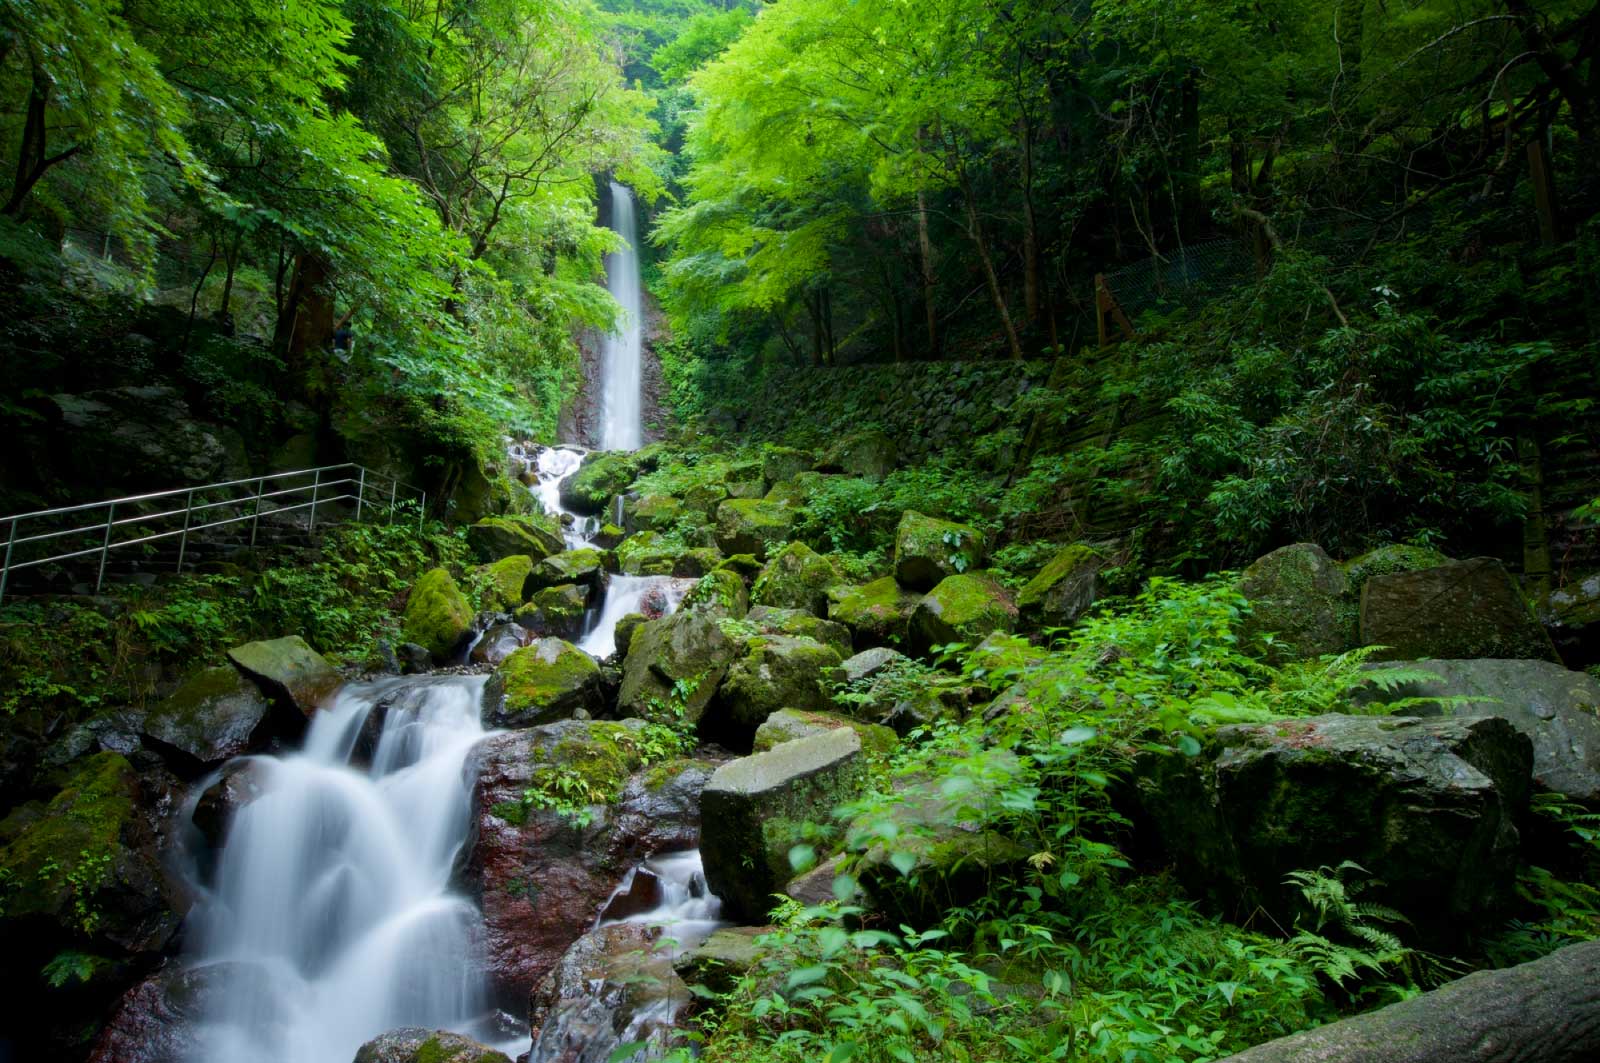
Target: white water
688 911
332 890
655 596
621 383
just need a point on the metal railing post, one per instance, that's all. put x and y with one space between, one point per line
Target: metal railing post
105 546
255 520
188 512
361 488
11 542
422 511
316 484
394 485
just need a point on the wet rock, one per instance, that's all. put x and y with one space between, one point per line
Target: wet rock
547 681
926 550
684 657
615 986
506 579
960 609
495 538
869 663
437 615
1427 807
659 811
1064 589
658 513
648 553
583 567
797 577
1455 611
154 1022
500 642
753 526
723 958
415 1044
622 634
290 671
1301 597
774 672
239 784
1557 709
602 476
214 715
788 725
877 613
556 611
753 809
414 659
871 455
719 595
640 893
783 463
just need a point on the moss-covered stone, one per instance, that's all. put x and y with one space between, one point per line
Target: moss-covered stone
602 476
798 489
1396 557
214 715
746 566
927 549
801 624
783 463
623 633
877 613
648 553
797 577
775 672
1460 610
288 670
961 609
1301 597
871 455
496 537
547 681
719 593
610 536
504 581
753 526
420 1045
651 512
788 725
702 499
556 611
673 668
719 962
1064 588
584 566
437 615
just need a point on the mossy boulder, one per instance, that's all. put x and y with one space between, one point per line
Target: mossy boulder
614 993
753 811
651 512
602 476
702 498
801 624
775 672
797 577
871 455
753 526
673 667
746 566
505 580
557 611
961 609
289 671
214 715
927 549
719 593
609 537
783 463
871 663
1301 598
648 553
1396 557
547 681
798 489
584 566
1455 611
789 725
415 1044
437 615
721 960
1065 588
533 536
623 633
877 613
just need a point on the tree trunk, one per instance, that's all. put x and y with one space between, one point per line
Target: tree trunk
306 321
1030 229
975 231
1189 216
1547 1011
32 162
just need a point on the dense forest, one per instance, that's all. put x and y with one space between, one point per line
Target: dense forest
591 531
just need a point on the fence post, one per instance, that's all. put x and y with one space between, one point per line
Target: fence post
394 485
188 511
422 511
361 489
255 520
105 546
5 571
316 484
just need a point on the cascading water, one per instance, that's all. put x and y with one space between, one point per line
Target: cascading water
331 916
621 365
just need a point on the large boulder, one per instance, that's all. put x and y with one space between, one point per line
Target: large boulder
783 463
790 725
1455 611
801 624
416 1044
584 566
547 681
602 477
438 616
649 553
1559 711
216 714
494 538
154 1022
775 672
1395 557
295 675
718 594
673 667
615 986
504 582
155 436
877 613
961 609
871 455
1065 588
1428 807
927 549
1301 597
753 810
753 525
797 577
499 642
557 611
651 512
722 959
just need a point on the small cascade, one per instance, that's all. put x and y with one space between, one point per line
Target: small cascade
686 912
654 596
621 358
331 914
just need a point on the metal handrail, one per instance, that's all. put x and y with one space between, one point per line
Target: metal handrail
368 493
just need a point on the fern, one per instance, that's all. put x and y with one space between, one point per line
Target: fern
1369 946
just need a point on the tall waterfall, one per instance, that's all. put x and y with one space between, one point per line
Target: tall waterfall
621 369
331 918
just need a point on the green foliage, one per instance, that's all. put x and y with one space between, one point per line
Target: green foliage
1370 948
69 966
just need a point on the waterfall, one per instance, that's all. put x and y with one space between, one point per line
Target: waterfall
331 912
621 376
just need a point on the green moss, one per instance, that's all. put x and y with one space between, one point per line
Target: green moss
1397 557
437 614
753 525
654 512
718 593
961 609
548 680
1064 564
648 553
504 582
601 477
877 612
536 536
797 577
927 549
513 812
601 758
54 863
